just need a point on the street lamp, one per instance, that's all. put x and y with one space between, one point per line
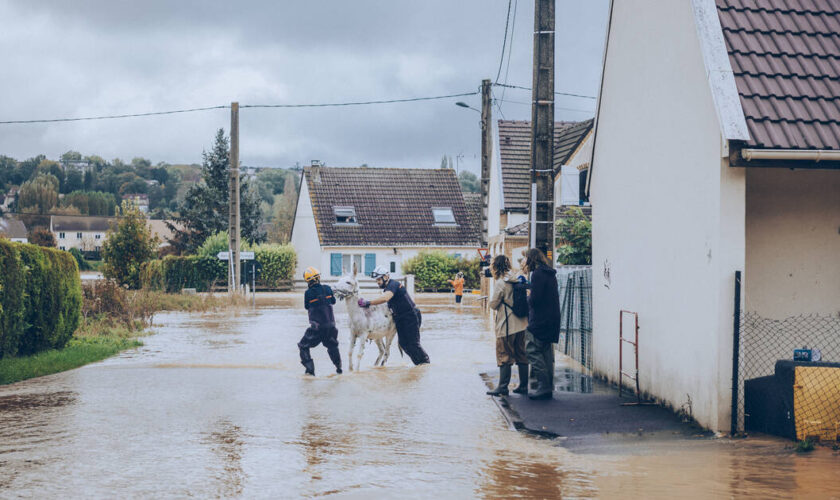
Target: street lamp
465 105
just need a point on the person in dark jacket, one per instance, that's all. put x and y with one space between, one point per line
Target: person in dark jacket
406 315
543 322
318 301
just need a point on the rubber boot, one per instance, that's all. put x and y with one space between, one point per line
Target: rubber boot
310 367
523 379
504 380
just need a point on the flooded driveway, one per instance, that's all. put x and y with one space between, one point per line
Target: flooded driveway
216 405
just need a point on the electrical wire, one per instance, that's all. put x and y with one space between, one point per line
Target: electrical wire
504 42
112 117
226 106
510 45
556 93
555 107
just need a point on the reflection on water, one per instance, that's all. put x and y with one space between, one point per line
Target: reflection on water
216 405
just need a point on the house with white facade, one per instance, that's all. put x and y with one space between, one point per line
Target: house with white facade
378 216
716 150
13 229
510 178
88 233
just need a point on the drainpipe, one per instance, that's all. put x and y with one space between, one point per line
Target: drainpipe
791 154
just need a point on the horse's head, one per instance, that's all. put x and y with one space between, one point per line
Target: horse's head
346 286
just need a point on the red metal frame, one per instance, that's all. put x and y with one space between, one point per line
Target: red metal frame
635 344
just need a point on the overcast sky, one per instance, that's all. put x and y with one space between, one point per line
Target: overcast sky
86 58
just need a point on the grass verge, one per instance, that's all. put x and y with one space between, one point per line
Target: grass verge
79 351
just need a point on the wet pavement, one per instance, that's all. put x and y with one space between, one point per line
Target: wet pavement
215 405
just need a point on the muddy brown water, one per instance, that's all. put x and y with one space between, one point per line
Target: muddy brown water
215 405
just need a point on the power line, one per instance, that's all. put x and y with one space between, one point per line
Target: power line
191 110
510 45
359 103
555 107
556 93
112 117
504 42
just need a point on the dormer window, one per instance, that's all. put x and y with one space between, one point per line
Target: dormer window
345 215
443 216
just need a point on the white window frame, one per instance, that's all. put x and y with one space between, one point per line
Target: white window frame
439 214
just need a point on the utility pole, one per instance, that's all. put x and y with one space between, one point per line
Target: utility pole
542 131
486 148
233 226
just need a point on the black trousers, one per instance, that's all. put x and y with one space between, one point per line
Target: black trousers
408 336
327 335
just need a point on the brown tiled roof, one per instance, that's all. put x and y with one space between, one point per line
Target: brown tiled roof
71 223
560 211
515 154
393 206
569 141
785 55
473 204
11 227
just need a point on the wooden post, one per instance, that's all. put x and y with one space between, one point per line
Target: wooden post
542 130
486 148
233 226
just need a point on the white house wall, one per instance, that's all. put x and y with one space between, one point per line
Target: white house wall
494 202
659 192
385 255
305 234
793 242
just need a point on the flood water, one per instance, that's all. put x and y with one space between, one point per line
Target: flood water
216 405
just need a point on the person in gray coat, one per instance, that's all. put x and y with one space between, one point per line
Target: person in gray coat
509 328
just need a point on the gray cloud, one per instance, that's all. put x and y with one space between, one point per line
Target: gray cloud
90 57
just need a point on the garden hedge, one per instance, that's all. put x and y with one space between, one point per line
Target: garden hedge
174 273
40 298
433 269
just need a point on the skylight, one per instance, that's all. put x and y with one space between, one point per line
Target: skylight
443 216
345 215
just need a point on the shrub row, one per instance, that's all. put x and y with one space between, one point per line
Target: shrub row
433 269
173 273
40 298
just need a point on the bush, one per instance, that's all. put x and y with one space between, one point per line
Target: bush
574 238
129 245
173 273
277 263
80 259
41 299
433 269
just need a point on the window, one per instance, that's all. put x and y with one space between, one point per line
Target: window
97 236
583 199
78 236
347 262
61 237
345 215
393 266
443 216
370 263
61 248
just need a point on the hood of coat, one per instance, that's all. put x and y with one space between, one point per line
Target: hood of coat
543 269
510 277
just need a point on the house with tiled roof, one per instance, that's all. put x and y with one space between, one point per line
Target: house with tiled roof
13 229
716 151
510 177
378 216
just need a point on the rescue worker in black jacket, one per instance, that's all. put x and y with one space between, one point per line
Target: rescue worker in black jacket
318 300
406 315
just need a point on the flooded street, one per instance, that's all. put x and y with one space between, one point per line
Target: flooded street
217 405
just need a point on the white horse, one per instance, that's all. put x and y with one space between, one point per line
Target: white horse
374 323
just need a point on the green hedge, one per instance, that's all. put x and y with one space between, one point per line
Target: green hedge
433 269
40 298
173 273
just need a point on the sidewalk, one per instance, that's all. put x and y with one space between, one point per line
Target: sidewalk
588 412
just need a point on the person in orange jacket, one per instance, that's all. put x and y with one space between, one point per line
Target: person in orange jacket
458 284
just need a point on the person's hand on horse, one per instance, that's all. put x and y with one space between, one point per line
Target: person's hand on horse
364 303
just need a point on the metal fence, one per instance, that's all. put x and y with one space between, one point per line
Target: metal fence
788 377
575 288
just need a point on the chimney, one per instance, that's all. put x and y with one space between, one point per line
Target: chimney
315 171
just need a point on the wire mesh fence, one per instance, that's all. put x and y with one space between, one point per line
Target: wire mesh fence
575 288
789 376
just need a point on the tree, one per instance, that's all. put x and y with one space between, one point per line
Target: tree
39 195
42 237
71 156
128 246
205 207
73 182
469 182
574 238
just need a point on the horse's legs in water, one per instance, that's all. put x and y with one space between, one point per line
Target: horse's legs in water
350 356
362 340
381 347
389 337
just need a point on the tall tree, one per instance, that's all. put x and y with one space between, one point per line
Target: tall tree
129 245
39 195
205 207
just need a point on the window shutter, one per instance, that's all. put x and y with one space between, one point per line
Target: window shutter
370 263
335 264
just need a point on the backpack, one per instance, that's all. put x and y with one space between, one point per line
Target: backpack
520 300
